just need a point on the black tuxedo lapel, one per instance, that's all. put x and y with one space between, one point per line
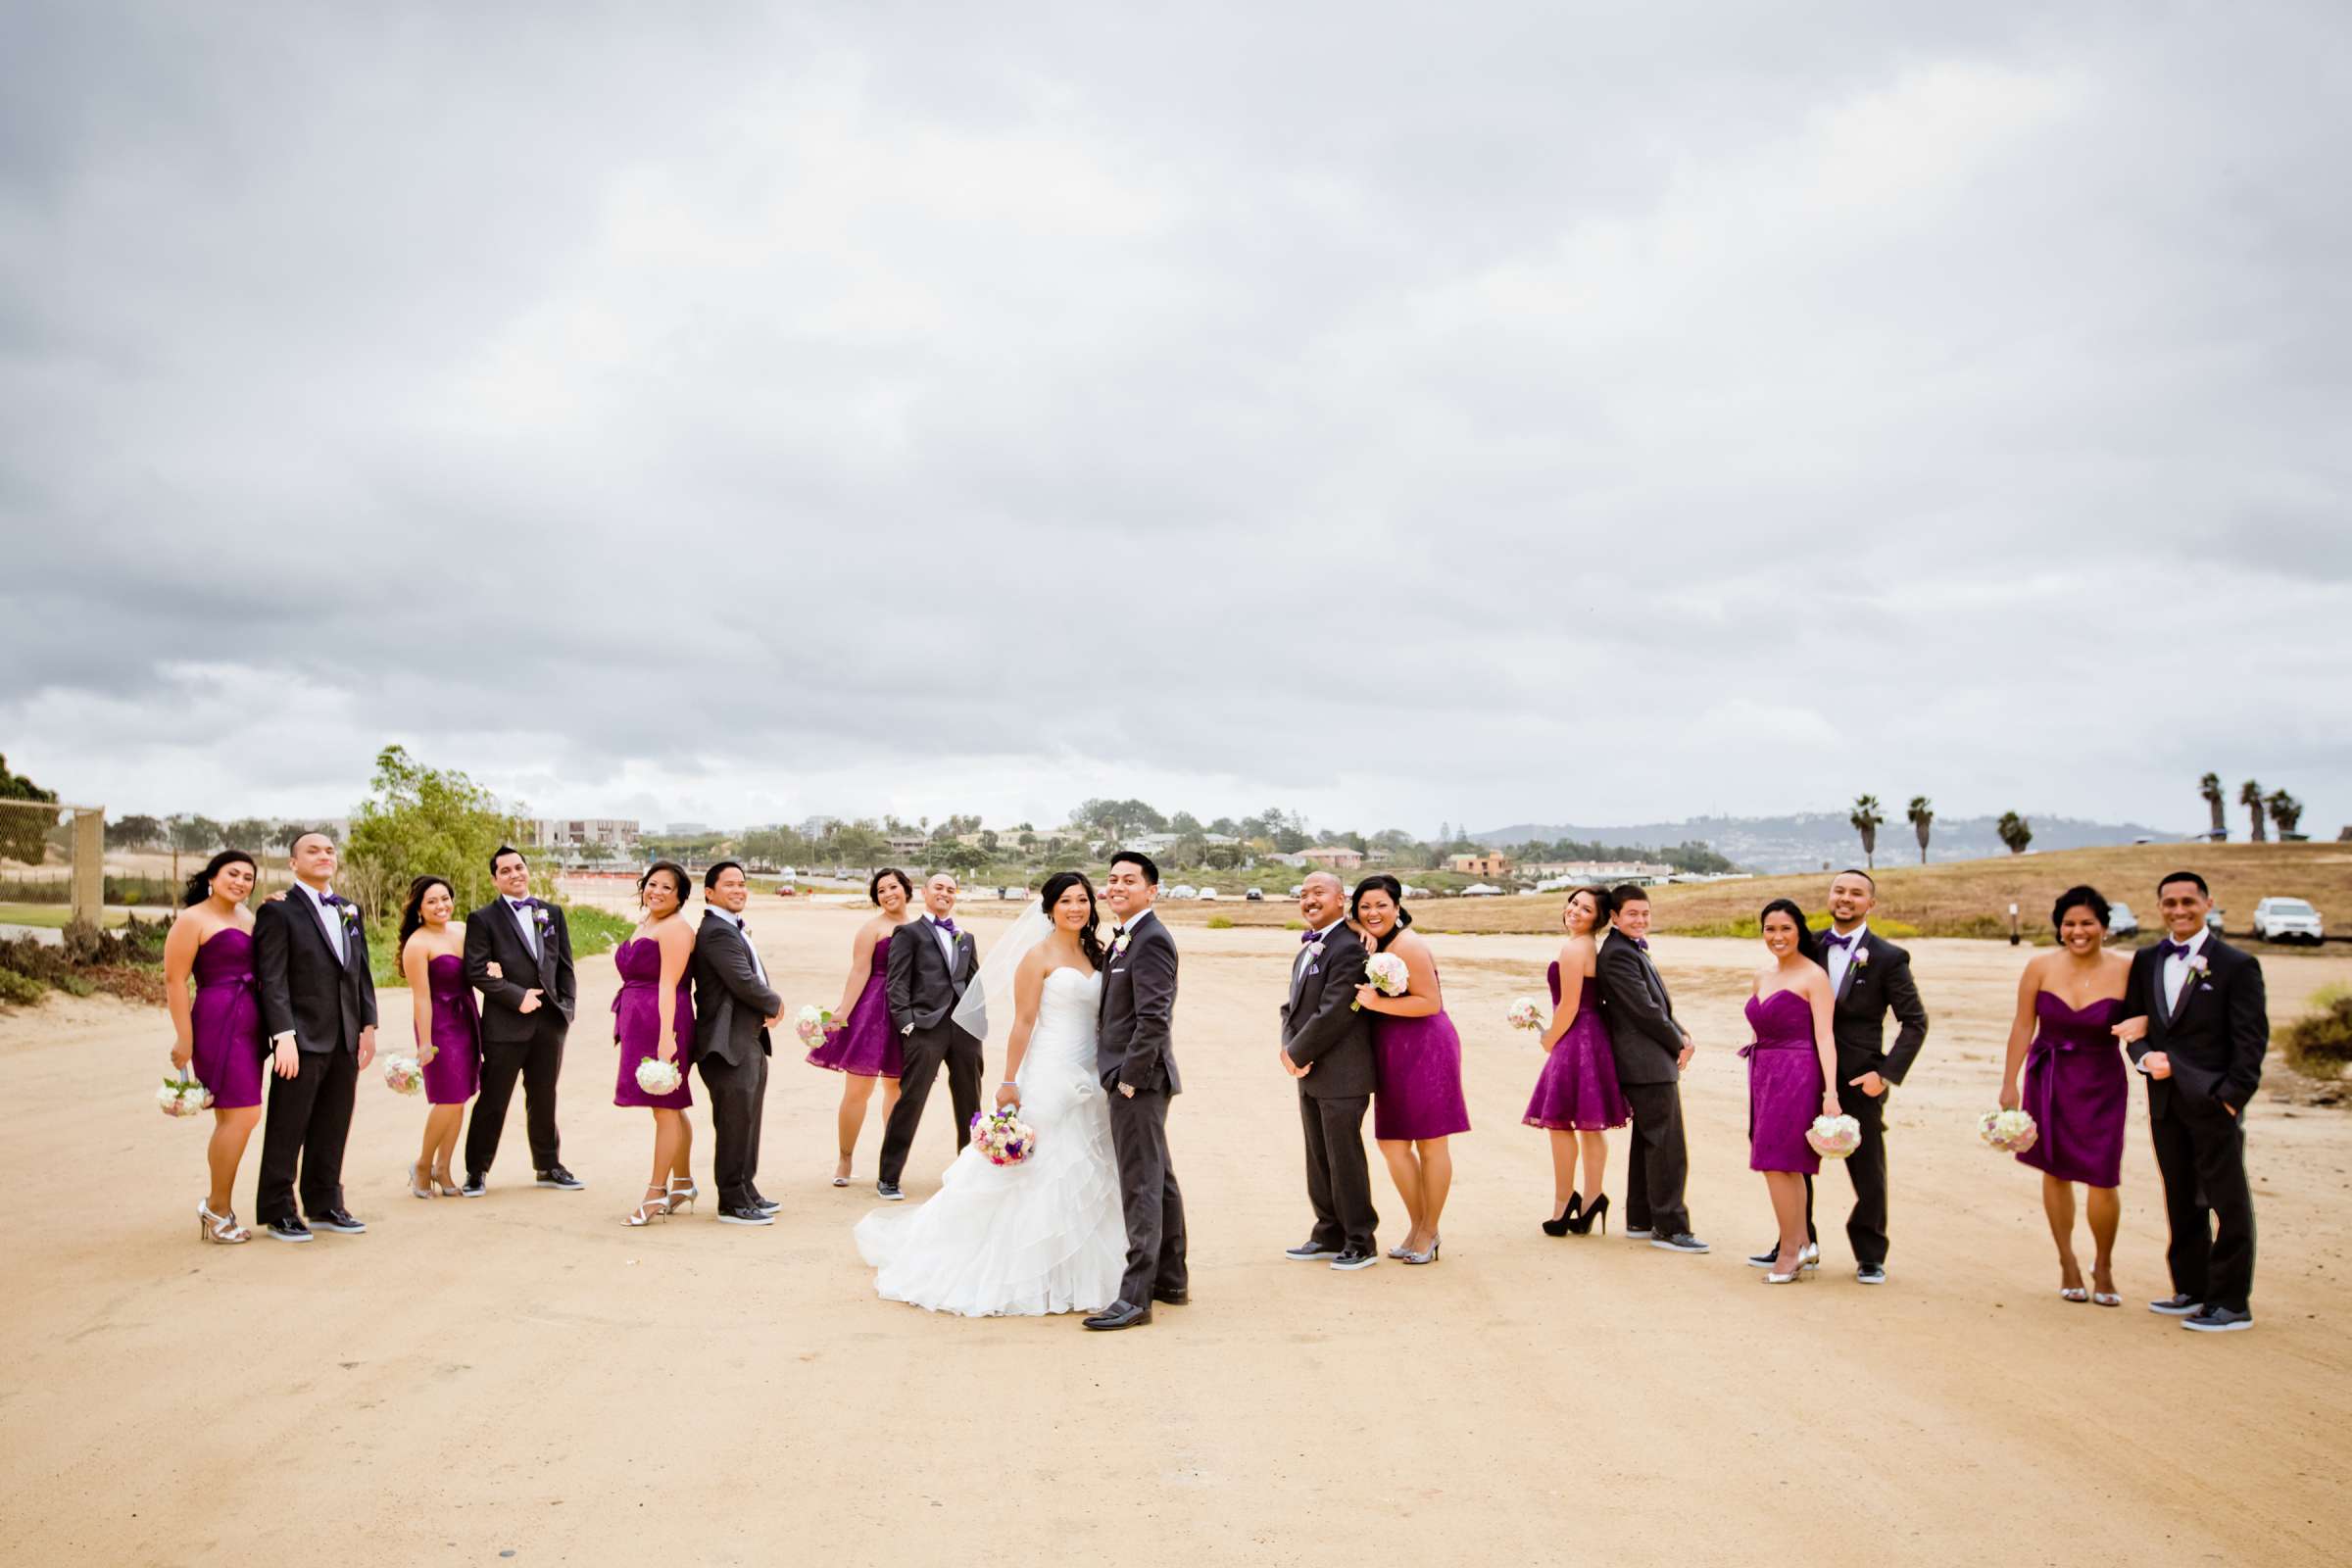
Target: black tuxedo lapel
1853 967
2188 987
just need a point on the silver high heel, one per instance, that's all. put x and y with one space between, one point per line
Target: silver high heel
653 1207
675 1198
439 1177
417 1185
221 1228
1430 1256
1774 1276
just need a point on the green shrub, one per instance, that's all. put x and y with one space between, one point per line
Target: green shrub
1219 922
595 931
20 990
2319 1044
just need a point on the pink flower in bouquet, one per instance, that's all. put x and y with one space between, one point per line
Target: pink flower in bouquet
810 1024
1834 1136
2009 1132
657 1077
403 1076
1525 1014
1386 974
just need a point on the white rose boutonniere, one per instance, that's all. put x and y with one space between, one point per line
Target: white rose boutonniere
1119 948
1861 957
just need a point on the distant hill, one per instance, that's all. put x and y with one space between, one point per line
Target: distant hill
1803 842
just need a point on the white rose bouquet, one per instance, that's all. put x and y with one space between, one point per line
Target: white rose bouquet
1386 974
403 1075
1526 1014
810 1023
1834 1136
2009 1132
657 1077
183 1096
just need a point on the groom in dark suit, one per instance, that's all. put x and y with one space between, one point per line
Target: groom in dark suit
930 967
1327 1046
734 1008
519 956
319 1008
2196 1022
1651 1050
1135 1059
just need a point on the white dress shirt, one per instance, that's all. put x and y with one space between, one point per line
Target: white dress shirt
1841 959
947 942
523 919
2176 968
329 920
1130 925
736 920
1298 963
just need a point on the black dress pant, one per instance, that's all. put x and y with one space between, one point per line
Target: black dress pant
308 1123
1155 1208
2201 1152
1657 1165
1339 1180
539 1062
738 1100
922 1053
1866 1167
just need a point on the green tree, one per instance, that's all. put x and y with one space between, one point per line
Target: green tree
1185 823
2015 831
191 834
2286 811
596 852
2209 787
2250 795
1923 818
246 833
422 820
146 833
1866 818
989 841
23 832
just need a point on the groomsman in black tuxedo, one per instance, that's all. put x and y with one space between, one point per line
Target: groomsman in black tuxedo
734 1009
519 956
1327 1046
319 1008
1651 1050
1135 1060
2194 1021
930 967
1871 977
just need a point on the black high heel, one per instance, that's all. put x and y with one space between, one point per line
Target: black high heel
1567 1221
1598 1211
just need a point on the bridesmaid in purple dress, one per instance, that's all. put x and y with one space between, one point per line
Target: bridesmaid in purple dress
859 1043
218 1030
654 1017
1576 1094
1419 1103
2075 1086
448 1026
1791 1074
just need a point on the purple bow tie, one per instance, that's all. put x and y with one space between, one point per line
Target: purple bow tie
333 898
744 926
2168 947
949 926
1643 943
1304 937
1837 941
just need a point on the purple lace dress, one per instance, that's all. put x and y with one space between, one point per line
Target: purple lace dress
865 1045
1420 1092
2078 1092
225 1024
1577 1089
637 1024
1783 1084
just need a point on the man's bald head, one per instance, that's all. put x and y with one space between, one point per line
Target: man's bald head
1322 899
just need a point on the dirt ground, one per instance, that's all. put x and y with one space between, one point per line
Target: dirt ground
520 1379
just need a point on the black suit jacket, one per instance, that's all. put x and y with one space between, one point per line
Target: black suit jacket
324 1002
2216 1038
923 988
1644 1036
1136 1017
1321 1028
731 1003
492 936
1859 1020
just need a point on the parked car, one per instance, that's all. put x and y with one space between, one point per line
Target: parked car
2286 920
1208 895
1184 890
2121 921
1297 888
1255 895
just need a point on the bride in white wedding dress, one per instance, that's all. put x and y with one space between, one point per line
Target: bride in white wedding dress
1046 1234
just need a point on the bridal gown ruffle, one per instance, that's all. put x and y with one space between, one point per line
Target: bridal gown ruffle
1015 1241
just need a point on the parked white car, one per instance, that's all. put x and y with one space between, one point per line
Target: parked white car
1184 890
1208 895
2121 921
2286 920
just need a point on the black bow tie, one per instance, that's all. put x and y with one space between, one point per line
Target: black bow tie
2168 947
1117 931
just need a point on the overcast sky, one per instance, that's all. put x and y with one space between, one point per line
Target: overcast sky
1593 412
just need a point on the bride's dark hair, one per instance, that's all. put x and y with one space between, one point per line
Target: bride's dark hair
1056 885
1808 945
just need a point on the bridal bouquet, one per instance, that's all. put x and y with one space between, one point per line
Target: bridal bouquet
657 1077
810 1024
1386 974
1834 1136
1526 1014
2011 1132
1002 1138
402 1075
183 1096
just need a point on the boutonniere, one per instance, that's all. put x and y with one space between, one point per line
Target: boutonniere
540 914
1861 959
2199 967
1314 950
1118 949
349 910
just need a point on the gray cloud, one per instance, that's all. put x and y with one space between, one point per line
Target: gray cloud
1594 413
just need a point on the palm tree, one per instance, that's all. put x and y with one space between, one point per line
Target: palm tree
2286 811
1866 819
2015 831
2250 795
1922 818
2210 786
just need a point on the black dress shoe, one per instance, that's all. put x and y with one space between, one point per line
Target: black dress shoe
1119 1316
1310 1252
1354 1259
477 1184
889 1192
1173 1298
557 1176
2176 1305
2217 1320
745 1214
338 1220
288 1228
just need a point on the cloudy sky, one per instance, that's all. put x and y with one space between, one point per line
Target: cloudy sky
1593 412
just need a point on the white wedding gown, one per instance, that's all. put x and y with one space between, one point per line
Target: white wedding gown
1015 1241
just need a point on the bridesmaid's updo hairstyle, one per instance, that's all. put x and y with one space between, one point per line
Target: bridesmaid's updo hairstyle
411 914
2082 896
200 886
873 889
1056 885
1380 882
1807 943
670 869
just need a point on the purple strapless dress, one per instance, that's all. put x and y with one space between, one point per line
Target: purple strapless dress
1420 1092
224 1027
637 1025
866 1046
1783 1084
2078 1092
1577 1089
455 1070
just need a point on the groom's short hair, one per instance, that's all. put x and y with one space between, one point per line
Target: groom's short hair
711 877
1627 892
2203 891
1142 863
501 852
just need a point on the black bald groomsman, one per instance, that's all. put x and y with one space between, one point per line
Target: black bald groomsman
929 968
1871 977
519 956
1327 1046
2196 1022
318 1008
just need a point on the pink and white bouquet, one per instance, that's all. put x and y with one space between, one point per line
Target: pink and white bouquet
1834 1136
1526 1014
657 1077
1386 974
402 1075
810 1024
1001 1137
183 1096
2010 1132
